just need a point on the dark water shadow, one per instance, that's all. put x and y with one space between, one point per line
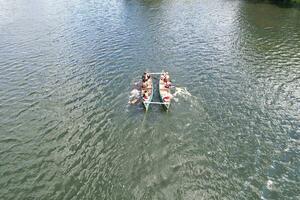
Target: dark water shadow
150 3
281 4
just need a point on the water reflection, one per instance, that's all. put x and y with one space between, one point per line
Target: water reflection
271 61
66 72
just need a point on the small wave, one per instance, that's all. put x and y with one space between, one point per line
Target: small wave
135 94
183 93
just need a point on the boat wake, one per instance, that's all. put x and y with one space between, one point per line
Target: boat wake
183 93
135 94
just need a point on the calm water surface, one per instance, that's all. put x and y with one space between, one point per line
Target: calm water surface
67 132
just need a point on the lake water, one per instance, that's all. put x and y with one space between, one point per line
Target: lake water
66 72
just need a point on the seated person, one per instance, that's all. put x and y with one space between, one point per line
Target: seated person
167 98
149 82
146 95
162 76
144 85
168 84
167 77
146 76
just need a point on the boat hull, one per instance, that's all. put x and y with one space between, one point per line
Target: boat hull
145 104
162 92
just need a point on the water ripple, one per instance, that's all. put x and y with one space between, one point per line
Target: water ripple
67 132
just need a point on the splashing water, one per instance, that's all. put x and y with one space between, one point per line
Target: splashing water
181 92
135 94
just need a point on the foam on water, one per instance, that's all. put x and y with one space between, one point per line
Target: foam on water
182 94
134 96
182 91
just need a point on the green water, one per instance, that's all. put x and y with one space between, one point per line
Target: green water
66 72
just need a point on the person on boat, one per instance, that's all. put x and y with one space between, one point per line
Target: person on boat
167 77
168 84
146 76
146 96
167 98
144 85
162 76
147 83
